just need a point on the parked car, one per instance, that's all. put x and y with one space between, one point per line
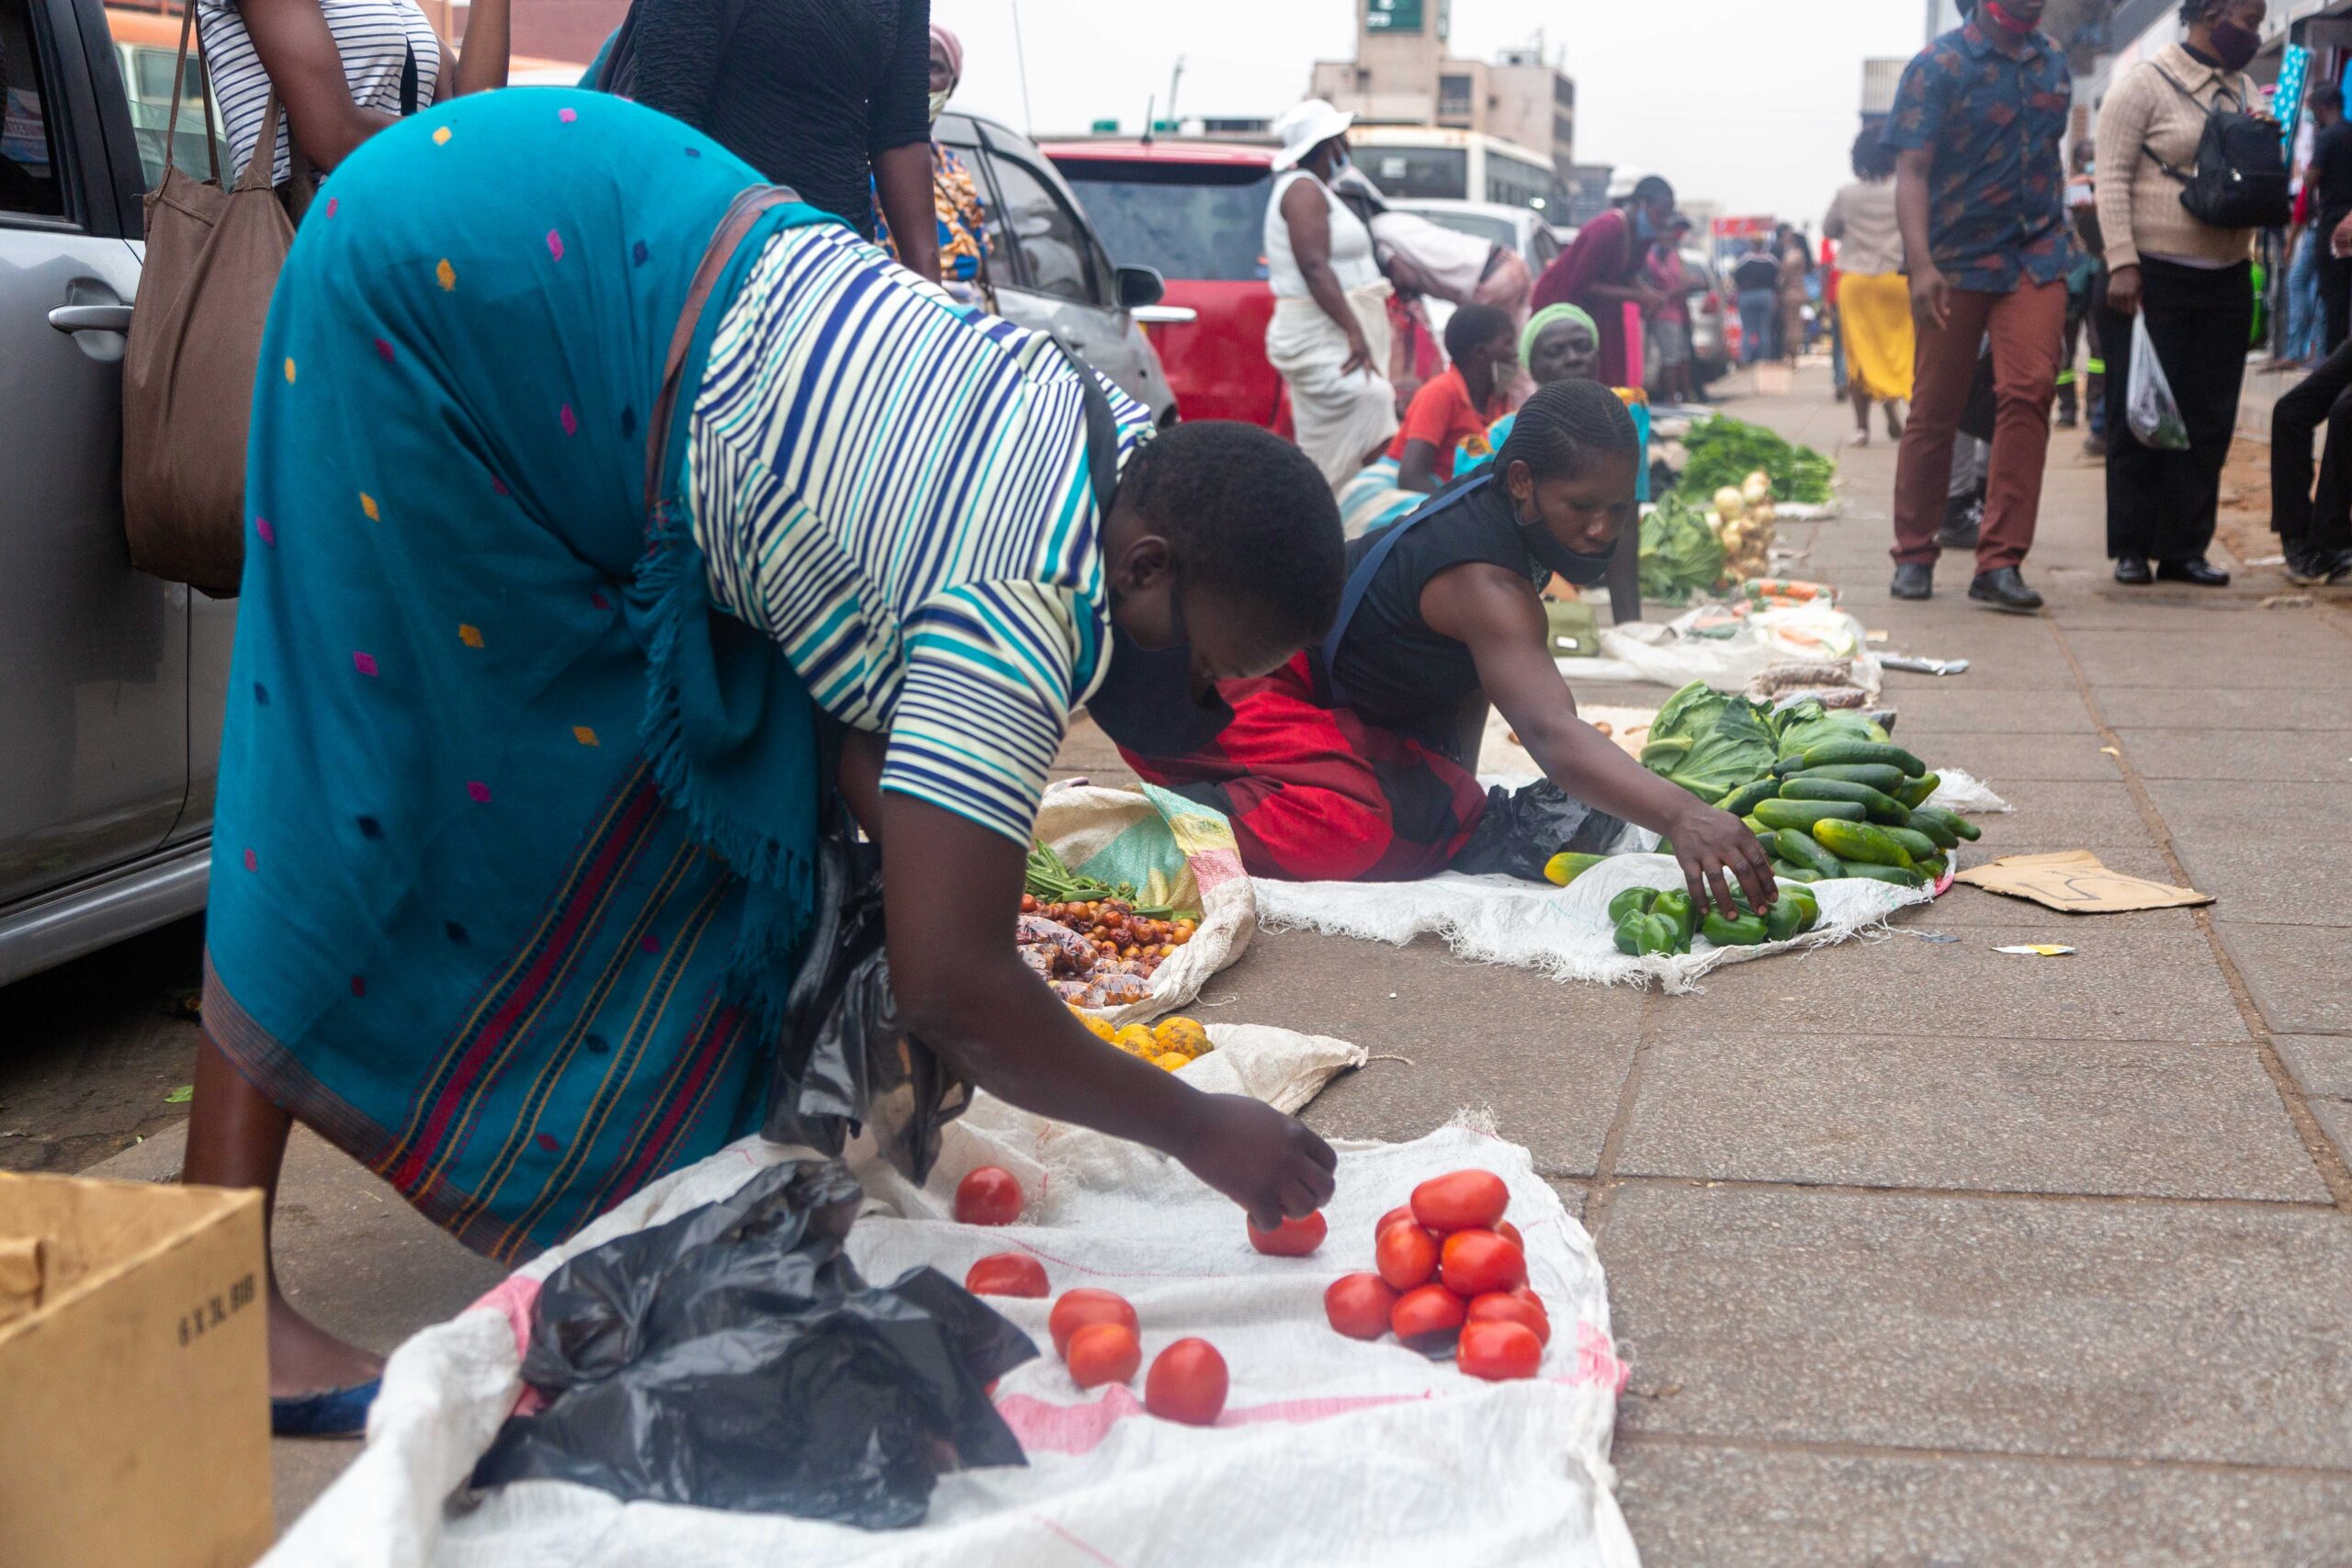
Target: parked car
1049 265
1196 210
1714 327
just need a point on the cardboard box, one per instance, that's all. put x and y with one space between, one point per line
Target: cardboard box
134 1377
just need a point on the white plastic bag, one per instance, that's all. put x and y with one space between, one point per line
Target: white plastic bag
2154 416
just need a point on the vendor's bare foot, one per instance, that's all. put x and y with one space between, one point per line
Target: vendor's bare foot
305 1358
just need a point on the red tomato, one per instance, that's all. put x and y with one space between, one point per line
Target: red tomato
1401 1212
1406 1256
1510 1233
1187 1384
1499 1351
1527 1294
1426 1317
1103 1352
1497 1307
1474 1262
987 1197
1295 1238
1079 1308
1465 1200
1007 1274
1359 1304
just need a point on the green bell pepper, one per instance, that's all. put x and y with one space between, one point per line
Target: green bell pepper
1633 901
1749 930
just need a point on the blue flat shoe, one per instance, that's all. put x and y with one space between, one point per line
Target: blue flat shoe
336 1413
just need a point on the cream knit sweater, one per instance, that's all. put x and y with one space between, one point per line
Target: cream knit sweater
2139 204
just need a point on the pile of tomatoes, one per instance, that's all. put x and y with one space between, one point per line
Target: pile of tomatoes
1449 1270
1096 1333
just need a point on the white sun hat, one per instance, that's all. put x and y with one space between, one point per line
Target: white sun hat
1304 127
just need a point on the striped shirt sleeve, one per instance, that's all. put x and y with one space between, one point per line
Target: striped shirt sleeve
985 703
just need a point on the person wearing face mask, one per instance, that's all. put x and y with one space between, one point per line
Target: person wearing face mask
962 228
1329 335
1977 128
1600 272
1358 761
2192 283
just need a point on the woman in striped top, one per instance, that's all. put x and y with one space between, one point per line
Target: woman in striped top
521 776
344 70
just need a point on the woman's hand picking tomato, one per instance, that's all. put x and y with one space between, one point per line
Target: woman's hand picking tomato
1293 1238
1466 1200
1007 1274
1474 1263
1359 1305
1406 1256
988 1196
1103 1352
1187 1384
1426 1317
1499 1351
1079 1308
1497 1306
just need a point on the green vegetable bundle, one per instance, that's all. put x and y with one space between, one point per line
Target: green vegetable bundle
1725 451
1710 742
1049 880
1680 554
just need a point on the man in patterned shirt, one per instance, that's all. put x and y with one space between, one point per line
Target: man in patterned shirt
1980 189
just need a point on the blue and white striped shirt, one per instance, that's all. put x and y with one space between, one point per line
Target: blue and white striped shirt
896 491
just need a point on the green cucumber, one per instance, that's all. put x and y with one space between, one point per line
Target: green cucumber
1916 793
1901 876
1803 814
1933 867
1741 801
1933 827
1917 845
1881 776
1804 898
1784 872
1879 806
1959 826
1633 901
1832 753
1797 846
1852 841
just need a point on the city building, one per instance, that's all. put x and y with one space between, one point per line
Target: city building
1403 75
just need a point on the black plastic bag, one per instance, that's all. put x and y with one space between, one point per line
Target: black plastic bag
734 1358
846 1059
1523 828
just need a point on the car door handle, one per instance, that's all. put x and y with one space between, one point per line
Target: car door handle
1165 315
91 318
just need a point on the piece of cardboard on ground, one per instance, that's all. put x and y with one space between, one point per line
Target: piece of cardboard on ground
2073 882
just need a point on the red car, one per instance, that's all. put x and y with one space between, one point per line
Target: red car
1196 210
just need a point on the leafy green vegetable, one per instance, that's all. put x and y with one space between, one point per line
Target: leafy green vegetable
1725 451
1680 554
1809 724
1708 742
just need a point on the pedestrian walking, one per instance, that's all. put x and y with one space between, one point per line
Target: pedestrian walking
1976 130
1329 335
1794 291
1669 330
1602 273
2081 207
1756 279
1873 296
2189 281
533 721
2314 530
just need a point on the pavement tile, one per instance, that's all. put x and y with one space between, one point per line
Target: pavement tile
2291 756
1949 706
2291 652
2129 1118
1548 1060
2296 974
1574 1195
1703 1505
2321 1063
2244 810
2071 758
2121 979
2265 881
2096 1329
2222 708
1997 918
2062 811
2336 1119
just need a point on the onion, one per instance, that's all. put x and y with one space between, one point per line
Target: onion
1730 502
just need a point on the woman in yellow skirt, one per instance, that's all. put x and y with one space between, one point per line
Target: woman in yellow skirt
1873 296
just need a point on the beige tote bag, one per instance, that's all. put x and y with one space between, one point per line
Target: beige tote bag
213 255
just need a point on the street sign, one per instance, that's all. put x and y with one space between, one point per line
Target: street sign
1392 15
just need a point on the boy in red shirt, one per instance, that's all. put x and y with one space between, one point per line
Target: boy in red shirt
1465 399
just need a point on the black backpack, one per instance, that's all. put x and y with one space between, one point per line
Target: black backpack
2240 180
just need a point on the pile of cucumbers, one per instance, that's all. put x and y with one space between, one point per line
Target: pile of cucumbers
1850 807
1647 921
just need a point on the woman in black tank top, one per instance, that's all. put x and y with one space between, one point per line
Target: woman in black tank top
1357 761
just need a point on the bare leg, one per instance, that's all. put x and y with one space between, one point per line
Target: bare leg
236 1137
1861 399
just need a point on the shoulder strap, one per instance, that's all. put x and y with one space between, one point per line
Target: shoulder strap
746 210
179 77
1101 435
1359 579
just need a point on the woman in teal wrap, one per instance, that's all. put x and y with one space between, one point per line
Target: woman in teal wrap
521 774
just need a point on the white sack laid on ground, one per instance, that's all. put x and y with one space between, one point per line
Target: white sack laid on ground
1703 644
1330 1450
1178 853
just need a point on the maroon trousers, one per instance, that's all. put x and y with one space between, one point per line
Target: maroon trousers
2027 328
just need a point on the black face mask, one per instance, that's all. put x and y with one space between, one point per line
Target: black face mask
2235 46
1578 567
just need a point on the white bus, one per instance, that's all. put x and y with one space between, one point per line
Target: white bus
1426 163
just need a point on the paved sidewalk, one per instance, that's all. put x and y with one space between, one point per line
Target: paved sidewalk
1921 1254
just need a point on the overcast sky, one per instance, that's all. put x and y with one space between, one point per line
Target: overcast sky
1751 103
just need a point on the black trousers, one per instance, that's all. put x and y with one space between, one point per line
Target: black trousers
2162 505
2326 394
2335 288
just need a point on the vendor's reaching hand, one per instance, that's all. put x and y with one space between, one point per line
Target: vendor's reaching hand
1264 1160
1716 848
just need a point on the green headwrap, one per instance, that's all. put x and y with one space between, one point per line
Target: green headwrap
1550 315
